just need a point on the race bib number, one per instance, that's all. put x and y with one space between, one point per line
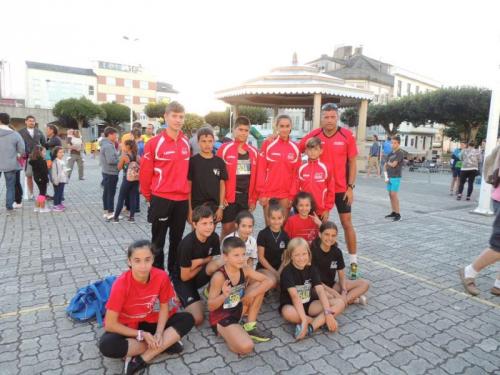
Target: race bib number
243 167
304 292
234 297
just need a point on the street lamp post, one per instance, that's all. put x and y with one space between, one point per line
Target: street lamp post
484 205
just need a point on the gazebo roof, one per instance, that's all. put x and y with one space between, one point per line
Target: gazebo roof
293 86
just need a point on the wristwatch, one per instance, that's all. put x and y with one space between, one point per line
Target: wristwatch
139 336
352 186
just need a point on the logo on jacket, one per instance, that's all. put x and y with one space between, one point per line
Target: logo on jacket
333 265
291 156
338 143
184 151
216 171
319 176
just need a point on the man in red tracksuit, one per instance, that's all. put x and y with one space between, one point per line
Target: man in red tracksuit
339 155
241 165
314 178
277 166
164 184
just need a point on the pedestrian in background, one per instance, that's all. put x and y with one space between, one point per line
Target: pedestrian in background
75 145
471 158
374 157
59 178
109 163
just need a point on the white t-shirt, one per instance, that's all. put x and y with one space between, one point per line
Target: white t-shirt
251 247
31 132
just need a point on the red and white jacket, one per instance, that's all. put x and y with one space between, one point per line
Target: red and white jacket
314 178
277 168
164 167
229 153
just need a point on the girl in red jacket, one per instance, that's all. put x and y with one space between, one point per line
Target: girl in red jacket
277 166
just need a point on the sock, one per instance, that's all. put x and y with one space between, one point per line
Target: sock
249 326
353 258
470 271
497 283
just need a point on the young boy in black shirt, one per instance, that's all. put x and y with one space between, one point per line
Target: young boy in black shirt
207 175
196 263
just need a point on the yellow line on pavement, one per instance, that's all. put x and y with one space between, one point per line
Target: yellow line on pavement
30 310
430 282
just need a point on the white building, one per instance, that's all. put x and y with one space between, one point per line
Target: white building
46 84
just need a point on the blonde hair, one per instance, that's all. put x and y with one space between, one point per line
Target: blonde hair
283 117
292 245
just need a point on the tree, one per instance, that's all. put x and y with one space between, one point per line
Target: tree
349 117
256 115
115 114
192 121
81 110
155 110
220 119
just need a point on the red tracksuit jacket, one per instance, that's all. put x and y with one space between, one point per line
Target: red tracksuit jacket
164 168
314 178
229 153
277 168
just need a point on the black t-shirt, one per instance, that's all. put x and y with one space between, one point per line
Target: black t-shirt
191 248
395 156
274 244
303 280
327 263
243 173
205 175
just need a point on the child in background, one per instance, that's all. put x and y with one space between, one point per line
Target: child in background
328 260
231 287
134 326
207 176
298 304
244 228
59 178
305 223
40 176
271 243
314 178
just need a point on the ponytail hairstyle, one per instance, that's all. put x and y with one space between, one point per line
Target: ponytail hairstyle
328 225
244 215
292 245
139 244
283 117
36 153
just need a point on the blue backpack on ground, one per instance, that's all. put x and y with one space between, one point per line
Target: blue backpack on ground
90 301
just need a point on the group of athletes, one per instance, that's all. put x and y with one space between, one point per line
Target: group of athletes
296 253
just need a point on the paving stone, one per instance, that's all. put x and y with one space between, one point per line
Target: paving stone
417 366
455 365
364 360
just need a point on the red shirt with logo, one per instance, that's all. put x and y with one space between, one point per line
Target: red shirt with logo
314 178
298 227
277 168
136 302
229 153
337 149
164 167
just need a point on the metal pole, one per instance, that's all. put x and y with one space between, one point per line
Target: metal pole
484 205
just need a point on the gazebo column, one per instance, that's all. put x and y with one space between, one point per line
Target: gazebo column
235 112
275 116
316 111
361 135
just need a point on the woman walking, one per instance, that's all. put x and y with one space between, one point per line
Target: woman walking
471 157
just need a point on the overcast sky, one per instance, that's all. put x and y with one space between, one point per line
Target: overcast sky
204 46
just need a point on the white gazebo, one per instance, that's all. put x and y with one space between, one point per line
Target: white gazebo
299 86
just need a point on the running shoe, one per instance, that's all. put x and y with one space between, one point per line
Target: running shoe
391 215
298 329
136 365
256 334
397 217
44 210
17 205
176 348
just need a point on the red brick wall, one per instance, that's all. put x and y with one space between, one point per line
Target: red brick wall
135 84
101 97
120 98
152 86
137 99
120 82
101 80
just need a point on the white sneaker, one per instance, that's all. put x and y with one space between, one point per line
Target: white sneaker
36 209
361 300
17 205
44 210
127 361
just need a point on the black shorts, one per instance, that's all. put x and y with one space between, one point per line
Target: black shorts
187 291
233 209
113 345
226 322
341 204
455 172
306 306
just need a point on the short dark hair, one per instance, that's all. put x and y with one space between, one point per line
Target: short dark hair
231 243
204 131
396 138
304 195
54 128
4 118
329 107
136 132
28 117
275 207
55 151
242 120
109 130
175 107
202 212
314 142
136 125
244 215
375 137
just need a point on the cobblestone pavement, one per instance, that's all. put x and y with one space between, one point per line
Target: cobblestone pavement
418 320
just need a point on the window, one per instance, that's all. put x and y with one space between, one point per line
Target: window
111 81
406 141
411 142
127 99
376 98
110 97
144 100
144 85
400 84
417 89
408 89
423 143
91 90
128 83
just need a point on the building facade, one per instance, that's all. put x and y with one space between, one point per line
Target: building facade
165 92
46 84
